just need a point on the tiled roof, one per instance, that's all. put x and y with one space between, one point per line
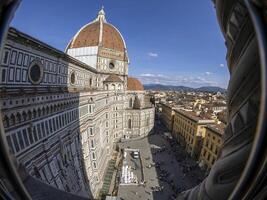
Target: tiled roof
218 128
134 84
194 116
111 38
89 36
113 78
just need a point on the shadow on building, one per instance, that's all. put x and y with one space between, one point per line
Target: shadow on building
176 170
41 112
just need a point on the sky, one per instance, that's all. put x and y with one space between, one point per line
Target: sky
171 42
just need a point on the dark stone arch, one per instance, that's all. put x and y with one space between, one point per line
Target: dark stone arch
34 113
6 121
24 116
18 117
131 102
43 110
12 119
39 111
90 82
129 123
91 100
55 108
29 115
52 109
47 110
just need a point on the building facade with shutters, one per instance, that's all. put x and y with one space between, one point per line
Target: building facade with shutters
64 112
167 115
189 130
212 145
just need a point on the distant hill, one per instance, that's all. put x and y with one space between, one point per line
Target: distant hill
184 88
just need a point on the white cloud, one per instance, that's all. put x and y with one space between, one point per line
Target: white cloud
191 81
152 75
208 73
221 65
151 54
148 75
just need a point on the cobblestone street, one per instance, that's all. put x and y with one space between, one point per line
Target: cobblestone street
167 168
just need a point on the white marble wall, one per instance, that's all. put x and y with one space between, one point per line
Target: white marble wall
63 137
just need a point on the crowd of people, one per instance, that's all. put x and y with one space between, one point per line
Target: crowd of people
192 174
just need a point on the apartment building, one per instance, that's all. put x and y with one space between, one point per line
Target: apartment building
189 130
211 145
167 115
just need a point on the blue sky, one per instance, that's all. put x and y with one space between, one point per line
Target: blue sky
176 42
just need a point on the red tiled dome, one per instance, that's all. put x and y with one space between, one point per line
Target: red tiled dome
134 84
89 36
113 78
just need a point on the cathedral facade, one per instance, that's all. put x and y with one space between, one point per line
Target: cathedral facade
64 112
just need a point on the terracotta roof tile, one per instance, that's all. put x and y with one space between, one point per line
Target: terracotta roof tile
111 38
134 84
113 78
89 36
218 128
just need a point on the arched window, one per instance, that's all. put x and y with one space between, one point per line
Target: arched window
24 116
39 112
90 82
129 123
106 87
72 78
18 118
12 120
92 144
6 121
113 86
97 82
34 113
47 110
29 115
119 87
55 108
130 103
111 65
43 111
